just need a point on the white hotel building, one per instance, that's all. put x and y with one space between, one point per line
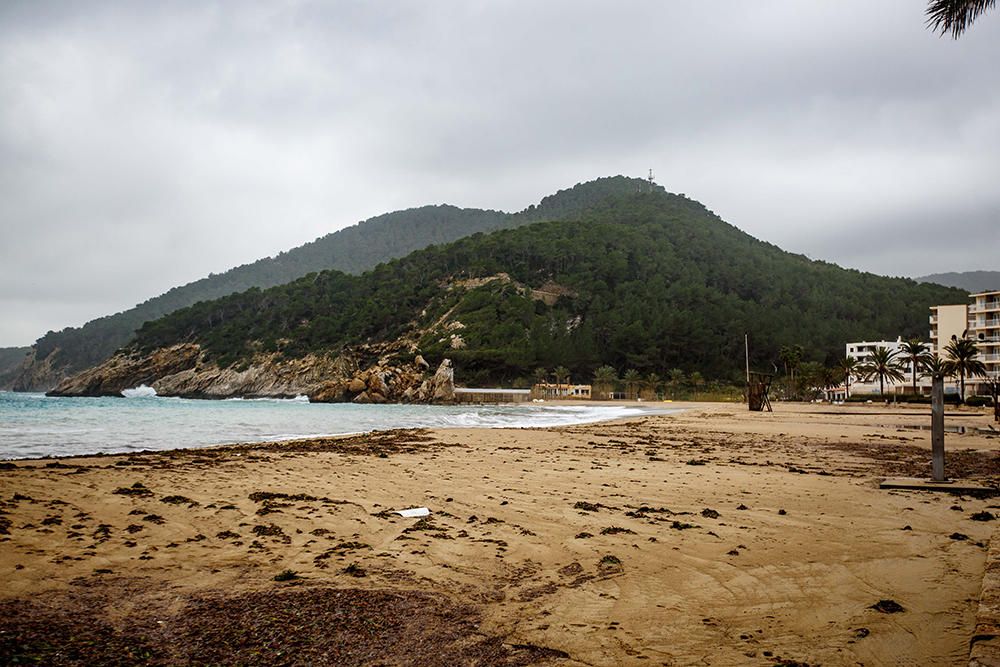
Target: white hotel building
984 328
862 351
979 321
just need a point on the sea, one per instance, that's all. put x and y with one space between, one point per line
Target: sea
35 425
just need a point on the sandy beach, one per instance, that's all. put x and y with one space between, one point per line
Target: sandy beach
711 536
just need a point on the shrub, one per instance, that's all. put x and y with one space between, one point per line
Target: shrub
979 401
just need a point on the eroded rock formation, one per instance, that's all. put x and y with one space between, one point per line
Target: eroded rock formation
367 374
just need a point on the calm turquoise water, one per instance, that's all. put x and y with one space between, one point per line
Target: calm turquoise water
35 425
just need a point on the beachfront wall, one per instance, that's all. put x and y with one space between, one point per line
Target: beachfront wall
467 395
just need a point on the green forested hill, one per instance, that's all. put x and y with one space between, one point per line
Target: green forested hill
352 250
649 281
972 281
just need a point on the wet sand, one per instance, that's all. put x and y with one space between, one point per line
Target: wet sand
712 536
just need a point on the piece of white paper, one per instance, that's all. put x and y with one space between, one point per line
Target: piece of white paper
413 512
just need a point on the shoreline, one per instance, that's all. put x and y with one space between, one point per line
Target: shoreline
660 538
399 416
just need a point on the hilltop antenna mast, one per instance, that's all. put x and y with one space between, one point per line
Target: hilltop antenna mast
650 180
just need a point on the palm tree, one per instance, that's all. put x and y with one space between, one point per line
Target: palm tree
652 383
882 364
955 16
916 354
848 368
631 379
697 381
541 375
830 378
676 376
936 367
604 379
811 375
561 374
790 357
962 357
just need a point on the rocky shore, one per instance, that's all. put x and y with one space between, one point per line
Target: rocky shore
366 374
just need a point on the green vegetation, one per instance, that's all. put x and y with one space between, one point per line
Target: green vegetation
962 361
643 282
352 250
884 365
916 354
847 368
937 367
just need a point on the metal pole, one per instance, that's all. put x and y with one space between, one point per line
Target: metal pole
937 429
746 345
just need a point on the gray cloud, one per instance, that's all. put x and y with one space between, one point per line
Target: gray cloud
144 146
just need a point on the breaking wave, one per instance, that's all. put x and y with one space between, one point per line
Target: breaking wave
142 391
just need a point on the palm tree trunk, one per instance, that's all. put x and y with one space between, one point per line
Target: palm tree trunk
881 386
914 371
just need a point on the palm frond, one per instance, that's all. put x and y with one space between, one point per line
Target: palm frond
955 16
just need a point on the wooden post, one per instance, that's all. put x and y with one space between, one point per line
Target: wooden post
937 429
995 393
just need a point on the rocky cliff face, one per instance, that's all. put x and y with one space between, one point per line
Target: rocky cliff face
368 374
34 374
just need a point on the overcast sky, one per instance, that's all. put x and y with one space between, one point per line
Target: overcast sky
144 145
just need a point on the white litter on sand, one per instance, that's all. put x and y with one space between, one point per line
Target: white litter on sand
413 512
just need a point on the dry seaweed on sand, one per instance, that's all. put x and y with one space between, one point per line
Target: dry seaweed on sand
319 626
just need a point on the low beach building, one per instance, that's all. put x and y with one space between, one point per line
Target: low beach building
862 352
546 390
491 395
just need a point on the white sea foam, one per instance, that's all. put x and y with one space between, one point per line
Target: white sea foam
301 398
142 391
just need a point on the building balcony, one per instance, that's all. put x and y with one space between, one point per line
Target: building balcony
989 357
932 319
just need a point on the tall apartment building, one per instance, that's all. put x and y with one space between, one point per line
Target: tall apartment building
984 328
947 323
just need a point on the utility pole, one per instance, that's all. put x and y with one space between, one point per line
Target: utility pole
650 180
746 346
